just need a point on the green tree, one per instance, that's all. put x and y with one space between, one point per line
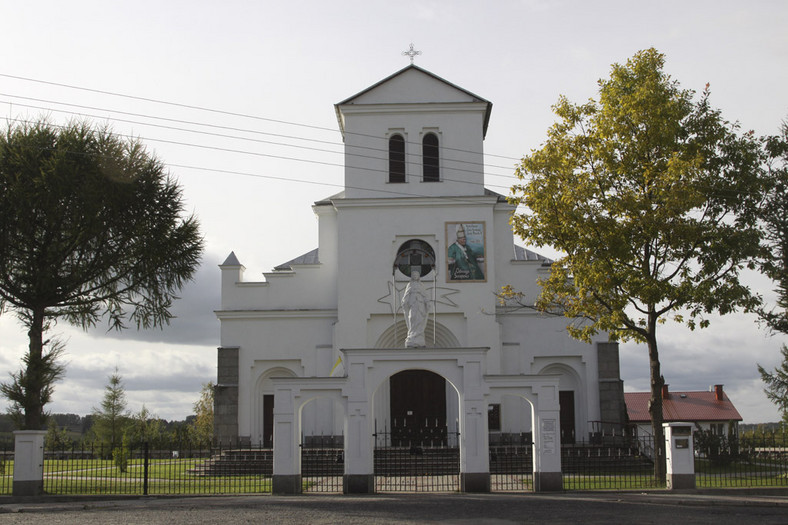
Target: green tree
777 384
146 427
111 420
774 264
774 217
57 437
91 226
202 428
651 196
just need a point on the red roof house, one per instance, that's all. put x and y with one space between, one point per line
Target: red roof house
711 410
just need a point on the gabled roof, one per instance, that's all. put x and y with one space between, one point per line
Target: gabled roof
412 67
682 406
524 254
309 257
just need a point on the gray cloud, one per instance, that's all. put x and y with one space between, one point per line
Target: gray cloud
194 322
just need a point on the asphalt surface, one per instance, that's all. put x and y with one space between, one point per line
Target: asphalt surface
731 507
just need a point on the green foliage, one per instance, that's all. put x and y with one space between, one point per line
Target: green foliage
774 216
111 420
720 449
201 429
146 428
21 390
653 199
91 227
120 456
57 438
777 384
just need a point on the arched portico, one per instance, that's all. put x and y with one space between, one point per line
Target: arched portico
291 394
541 392
367 369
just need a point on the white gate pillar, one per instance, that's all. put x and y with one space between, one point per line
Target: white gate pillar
359 428
547 441
474 452
287 454
29 462
359 464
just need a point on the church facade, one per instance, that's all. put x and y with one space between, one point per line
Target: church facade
393 321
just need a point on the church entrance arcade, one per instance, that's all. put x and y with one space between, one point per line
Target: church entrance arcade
462 368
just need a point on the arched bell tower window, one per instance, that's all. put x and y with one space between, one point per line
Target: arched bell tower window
396 158
429 155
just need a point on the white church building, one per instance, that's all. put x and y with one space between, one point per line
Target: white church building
393 324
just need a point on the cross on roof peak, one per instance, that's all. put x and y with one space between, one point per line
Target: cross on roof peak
411 53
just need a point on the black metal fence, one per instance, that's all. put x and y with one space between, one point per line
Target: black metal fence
622 462
6 468
423 464
754 460
180 468
423 460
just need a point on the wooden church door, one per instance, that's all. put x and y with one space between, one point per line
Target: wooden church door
418 407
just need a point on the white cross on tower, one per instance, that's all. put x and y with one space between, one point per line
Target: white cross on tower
411 53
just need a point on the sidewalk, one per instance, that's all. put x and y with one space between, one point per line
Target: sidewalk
659 507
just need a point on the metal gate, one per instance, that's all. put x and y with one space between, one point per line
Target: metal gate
417 459
322 463
511 462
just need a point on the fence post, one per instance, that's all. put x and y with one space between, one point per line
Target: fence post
28 462
679 453
145 469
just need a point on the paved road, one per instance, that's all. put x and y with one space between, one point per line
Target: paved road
496 509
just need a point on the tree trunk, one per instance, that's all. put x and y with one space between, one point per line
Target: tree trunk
655 403
34 374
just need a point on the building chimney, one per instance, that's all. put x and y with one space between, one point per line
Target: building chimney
718 392
665 393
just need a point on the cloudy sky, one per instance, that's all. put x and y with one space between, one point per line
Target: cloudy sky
237 98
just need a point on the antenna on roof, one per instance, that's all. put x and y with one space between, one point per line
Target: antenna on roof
412 53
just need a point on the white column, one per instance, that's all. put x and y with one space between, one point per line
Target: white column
359 427
474 452
547 440
29 462
287 454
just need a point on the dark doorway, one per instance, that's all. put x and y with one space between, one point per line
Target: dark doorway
268 420
418 407
566 399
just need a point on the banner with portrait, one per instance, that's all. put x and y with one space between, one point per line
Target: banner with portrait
465 252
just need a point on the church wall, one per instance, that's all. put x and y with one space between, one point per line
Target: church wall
535 342
307 287
289 340
372 232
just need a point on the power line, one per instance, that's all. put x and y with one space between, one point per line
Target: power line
287 179
235 137
210 110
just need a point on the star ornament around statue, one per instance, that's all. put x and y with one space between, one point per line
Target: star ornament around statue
411 53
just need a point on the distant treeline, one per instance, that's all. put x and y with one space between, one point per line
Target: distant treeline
78 427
